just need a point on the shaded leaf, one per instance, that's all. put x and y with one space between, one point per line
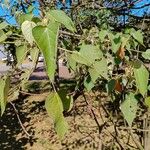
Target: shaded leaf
21 53
129 108
26 75
111 85
141 77
66 99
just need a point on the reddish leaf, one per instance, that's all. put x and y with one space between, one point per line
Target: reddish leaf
118 86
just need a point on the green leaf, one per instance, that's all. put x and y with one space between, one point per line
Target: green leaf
21 53
61 17
3 36
147 101
54 108
88 83
87 55
46 39
141 77
111 85
26 28
24 17
115 42
66 99
3 25
103 34
5 85
137 35
146 54
91 53
148 87
71 62
61 127
129 108
8 33
34 52
98 69
76 56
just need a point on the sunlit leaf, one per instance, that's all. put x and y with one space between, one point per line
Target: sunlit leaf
129 108
26 28
46 39
24 17
61 17
146 54
91 53
103 34
34 52
115 42
99 69
88 83
4 89
87 55
137 35
3 36
3 25
141 77
76 56
147 101
54 108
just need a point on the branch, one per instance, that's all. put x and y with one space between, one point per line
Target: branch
100 127
70 34
16 112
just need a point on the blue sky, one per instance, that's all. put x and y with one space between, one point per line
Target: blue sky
4 11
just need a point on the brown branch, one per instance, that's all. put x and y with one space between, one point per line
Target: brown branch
70 34
22 126
100 127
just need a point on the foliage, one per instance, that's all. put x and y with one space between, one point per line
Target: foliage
95 53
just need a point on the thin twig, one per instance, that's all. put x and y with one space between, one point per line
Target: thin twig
70 34
100 127
139 146
138 129
16 112
63 49
27 93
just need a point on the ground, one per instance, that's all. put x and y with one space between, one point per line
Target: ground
83 133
